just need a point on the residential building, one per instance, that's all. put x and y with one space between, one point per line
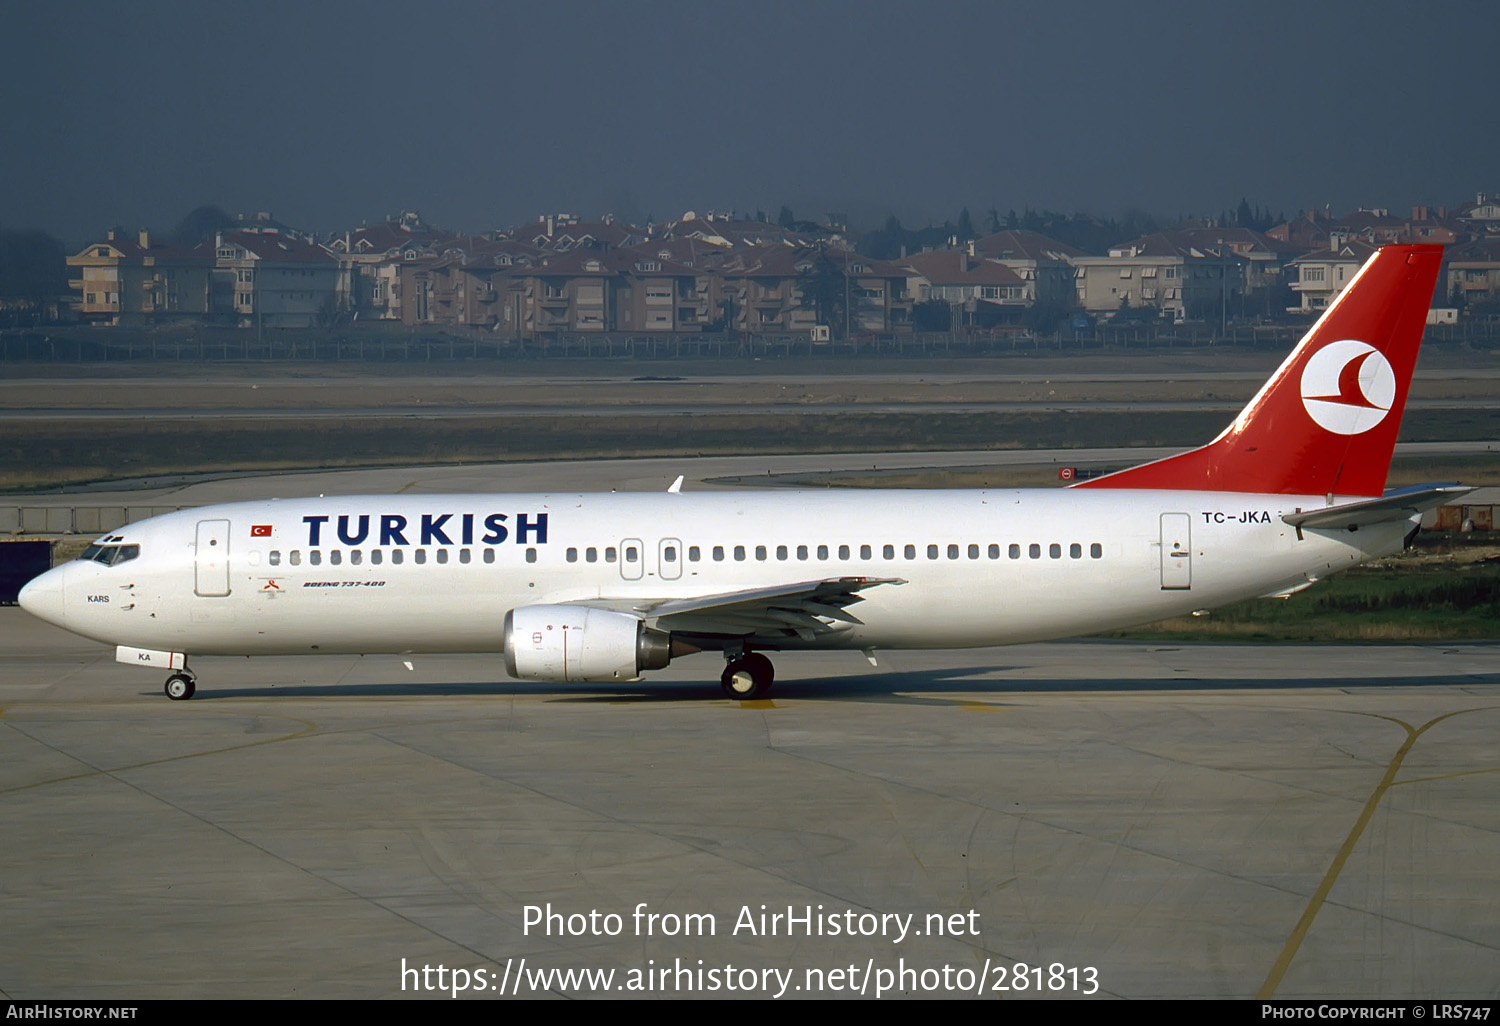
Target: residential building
369 263
132 280
979 291
1044 264
269 280
1321 276
1170 272
1473 276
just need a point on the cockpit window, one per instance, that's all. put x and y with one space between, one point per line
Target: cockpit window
110 555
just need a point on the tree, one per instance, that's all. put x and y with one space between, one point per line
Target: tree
33 266
200 226
932 315
965 225
827 291
785 218
1243 218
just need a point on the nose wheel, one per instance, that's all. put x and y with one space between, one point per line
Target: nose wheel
747 676
180 687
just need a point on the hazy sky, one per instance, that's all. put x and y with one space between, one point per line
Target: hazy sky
487 113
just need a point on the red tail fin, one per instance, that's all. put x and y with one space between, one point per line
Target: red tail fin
1326 422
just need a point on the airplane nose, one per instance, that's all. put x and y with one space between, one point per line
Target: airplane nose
44 597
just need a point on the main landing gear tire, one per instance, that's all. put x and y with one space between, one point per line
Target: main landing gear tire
747 677
180 687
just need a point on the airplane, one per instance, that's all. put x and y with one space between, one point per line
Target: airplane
604 588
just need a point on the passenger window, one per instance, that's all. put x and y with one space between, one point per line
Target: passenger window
609 554
489 555
572 555
1015 551
420 556
669 554
1034 551
910 552
442 555
932 552
781 552
801 551
275 557
864 552
995 551
822 551
376 556
760 552
952 551
1096 551
315 557
296 557
888 551
397 556
694 554
463 555
843 552
739 553
1075 551
1054 550
356 557
631 555
531 555
718 553
336 557
973 551
591 555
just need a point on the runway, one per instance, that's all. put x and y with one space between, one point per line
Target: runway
1140 820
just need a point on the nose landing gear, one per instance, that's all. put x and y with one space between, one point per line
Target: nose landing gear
180 686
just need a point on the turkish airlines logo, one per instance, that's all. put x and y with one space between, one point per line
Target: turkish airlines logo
1348 387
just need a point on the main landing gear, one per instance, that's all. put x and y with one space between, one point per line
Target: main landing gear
181 685
747 675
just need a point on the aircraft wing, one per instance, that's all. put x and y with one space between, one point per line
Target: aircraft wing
1401 504
806 608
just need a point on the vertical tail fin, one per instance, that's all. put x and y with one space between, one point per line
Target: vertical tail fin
1327 420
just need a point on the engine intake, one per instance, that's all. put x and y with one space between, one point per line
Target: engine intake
578 643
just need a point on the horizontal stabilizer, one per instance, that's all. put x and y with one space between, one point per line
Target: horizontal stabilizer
1402 504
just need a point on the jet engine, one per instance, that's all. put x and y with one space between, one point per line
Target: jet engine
577 643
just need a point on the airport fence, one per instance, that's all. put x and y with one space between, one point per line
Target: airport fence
73 519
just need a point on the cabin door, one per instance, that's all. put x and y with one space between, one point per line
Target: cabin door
211 564
1176 552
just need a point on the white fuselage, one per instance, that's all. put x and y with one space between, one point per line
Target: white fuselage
438 573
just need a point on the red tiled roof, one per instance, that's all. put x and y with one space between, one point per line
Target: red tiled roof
956 267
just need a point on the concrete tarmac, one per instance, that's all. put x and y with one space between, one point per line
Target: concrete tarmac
1139 820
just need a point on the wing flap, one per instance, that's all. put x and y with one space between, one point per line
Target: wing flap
806 608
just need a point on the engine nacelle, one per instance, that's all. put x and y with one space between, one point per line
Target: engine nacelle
577 643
